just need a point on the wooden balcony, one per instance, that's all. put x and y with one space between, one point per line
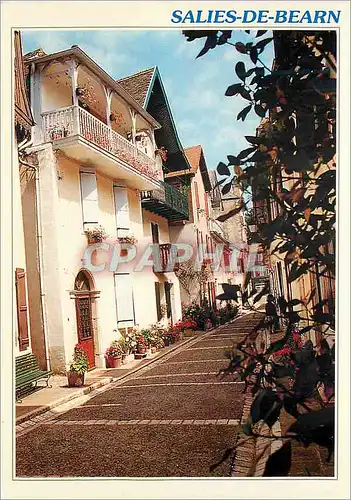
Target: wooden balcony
85 138
167 202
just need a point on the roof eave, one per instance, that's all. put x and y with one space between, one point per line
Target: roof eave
91 64
155 75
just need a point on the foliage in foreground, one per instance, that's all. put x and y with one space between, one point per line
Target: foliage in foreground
294 146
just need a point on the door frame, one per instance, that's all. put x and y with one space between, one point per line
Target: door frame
91 294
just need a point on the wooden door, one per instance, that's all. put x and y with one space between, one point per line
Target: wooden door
85 330
85 327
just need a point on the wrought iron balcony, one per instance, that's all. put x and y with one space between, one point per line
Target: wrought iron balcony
167 202
164 258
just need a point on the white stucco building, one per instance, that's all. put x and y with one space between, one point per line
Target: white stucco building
97 159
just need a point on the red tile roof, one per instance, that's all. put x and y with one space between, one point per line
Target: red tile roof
137 85
194 155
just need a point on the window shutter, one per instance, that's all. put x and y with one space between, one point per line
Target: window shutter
197 199
21 298
124 298
158 300
89 197
206 204
122 210
155 233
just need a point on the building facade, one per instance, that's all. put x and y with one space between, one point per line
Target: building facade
95 153
22 135
315 286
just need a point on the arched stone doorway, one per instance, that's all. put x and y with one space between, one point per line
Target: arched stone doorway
84 299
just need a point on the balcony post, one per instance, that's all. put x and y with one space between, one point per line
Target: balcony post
72 65
108 95
133 117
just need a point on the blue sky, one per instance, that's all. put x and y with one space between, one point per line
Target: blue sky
195 87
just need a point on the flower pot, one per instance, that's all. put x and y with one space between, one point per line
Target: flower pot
153 350
188 333
141 349
92 241
75 379
166 342
113 362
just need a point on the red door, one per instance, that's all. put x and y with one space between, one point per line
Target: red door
85 327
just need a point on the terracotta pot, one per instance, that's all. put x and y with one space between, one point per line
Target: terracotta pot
188 333
153 350
113 362
141 349
75 379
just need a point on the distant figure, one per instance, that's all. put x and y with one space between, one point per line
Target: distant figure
282 304
271 313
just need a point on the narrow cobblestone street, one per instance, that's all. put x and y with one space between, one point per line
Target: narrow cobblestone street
173 418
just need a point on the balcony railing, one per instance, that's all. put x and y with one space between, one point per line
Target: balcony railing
163 258
76 121
167 202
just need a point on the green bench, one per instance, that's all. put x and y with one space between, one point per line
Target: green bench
28 372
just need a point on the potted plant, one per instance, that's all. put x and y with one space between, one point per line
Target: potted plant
131 343
113 355
140 345
96 234
129 240
78 367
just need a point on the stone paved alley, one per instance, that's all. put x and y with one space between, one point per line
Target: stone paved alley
172 418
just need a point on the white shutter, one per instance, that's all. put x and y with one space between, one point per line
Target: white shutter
89 198
124 298
122 210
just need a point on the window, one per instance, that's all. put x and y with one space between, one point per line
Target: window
122 210
21 298
197 199
158 300
89 194
206 204
124 298
155 232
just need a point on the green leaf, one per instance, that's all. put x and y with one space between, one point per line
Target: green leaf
260 111
263 292
219 183
296 272
253 55
226 188
244 112
234 89
279 463
247 428
250 72
245 153
262 43
245 94
233 160
223 169
240 70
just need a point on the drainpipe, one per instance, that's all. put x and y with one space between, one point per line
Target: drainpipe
40 256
